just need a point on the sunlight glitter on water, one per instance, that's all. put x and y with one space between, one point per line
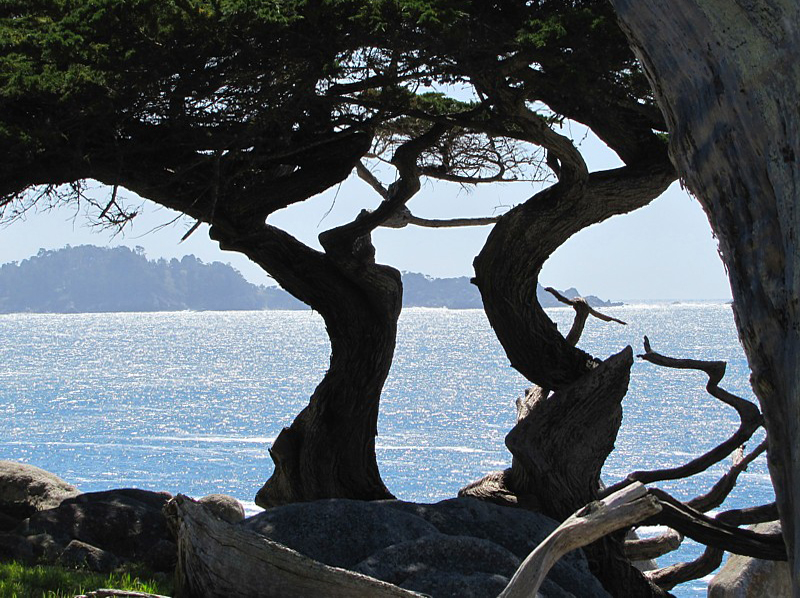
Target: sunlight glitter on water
190 402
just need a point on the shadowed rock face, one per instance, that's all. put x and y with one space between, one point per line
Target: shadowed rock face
460 547
127 523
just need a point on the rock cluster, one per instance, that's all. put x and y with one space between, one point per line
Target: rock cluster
45 520
456 548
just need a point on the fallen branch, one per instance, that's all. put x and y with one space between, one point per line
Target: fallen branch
645 549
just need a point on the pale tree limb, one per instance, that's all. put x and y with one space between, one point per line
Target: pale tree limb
624 508
645 549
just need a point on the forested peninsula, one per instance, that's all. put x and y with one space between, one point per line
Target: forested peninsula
89 279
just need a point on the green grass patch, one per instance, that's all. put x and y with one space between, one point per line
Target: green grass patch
45 581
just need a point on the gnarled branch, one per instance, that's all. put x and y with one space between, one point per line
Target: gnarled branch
749 415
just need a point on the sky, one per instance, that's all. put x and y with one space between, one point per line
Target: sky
665 251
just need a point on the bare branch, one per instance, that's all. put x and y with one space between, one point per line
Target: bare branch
644 549
749 415
750 515
713 532
582 312
720 491
365 174
453 222
188 234
592 311
668 577
403 217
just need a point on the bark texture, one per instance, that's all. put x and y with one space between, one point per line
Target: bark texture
727 78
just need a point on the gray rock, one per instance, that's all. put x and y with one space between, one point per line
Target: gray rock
459 547
40 548
224 506
444 565
516 530
16 548
25 489
337 532
80 555
746 577
128 522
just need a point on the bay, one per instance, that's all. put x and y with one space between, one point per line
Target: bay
190 401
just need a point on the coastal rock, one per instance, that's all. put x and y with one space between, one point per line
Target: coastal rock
338 532
517 530
444 565
224 506
458 547
26 489
80 555
127 523
16 548
746 577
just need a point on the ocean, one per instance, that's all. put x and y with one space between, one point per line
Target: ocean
190 401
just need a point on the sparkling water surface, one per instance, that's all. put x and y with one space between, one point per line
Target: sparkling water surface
190 401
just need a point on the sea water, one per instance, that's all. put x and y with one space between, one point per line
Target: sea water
190 402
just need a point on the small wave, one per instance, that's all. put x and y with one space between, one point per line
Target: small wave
214 439
250 508
452 449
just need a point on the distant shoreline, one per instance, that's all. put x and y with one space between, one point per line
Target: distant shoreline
90 279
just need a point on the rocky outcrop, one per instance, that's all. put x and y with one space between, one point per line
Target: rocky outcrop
224 506
111 526
25 490
746 577
460 547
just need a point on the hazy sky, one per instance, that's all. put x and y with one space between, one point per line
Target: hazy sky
663 251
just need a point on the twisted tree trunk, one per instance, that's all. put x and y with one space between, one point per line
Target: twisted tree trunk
562 439
727 78
329 449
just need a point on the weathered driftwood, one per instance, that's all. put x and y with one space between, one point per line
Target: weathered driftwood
645 549
219 560
622 509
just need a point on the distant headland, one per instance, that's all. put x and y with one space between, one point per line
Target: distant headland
88 279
